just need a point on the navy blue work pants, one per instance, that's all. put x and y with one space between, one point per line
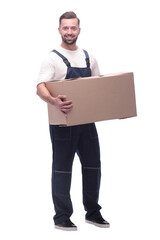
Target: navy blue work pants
66 141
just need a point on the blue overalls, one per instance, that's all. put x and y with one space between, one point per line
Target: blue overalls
66 141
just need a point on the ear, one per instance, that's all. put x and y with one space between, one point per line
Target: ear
79 31
59 30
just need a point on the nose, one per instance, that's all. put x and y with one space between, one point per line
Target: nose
69 31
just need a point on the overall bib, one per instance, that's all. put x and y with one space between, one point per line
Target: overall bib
66 141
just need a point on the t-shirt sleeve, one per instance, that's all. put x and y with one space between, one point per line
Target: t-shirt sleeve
94 66
47 71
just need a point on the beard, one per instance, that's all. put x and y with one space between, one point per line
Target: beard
69 42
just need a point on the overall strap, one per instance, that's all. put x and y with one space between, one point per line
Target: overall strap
65 60
87 58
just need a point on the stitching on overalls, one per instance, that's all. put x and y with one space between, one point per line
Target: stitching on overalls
90 168
61 172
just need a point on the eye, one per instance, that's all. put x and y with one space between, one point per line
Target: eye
65 28
74 28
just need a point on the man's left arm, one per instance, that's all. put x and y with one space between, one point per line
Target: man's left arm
94 67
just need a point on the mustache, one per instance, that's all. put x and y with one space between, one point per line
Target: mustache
69 35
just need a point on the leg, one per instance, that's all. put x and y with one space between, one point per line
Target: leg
63 155
89 153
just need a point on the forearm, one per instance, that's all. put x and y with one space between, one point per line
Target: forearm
59 101
44 94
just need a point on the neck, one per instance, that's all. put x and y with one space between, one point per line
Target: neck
69 47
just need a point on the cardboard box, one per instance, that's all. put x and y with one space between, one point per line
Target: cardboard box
94 99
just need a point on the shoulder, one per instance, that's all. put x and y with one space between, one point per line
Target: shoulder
50 57
94 64
50 60
92 58
90 54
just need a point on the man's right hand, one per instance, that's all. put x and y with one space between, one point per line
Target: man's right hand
59 101
62 104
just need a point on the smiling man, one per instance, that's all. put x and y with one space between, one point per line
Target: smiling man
69 32
64 62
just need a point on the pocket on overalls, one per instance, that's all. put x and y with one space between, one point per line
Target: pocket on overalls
93 131
62 133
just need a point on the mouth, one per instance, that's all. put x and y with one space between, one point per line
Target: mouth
69 37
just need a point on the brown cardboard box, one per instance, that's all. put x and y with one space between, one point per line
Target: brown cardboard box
94 99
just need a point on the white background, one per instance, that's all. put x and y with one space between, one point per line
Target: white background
124 36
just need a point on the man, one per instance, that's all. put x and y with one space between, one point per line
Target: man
69 61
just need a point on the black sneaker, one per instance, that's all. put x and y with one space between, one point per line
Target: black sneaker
66 226
100 222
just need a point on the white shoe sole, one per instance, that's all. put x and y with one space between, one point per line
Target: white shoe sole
66 228
98 225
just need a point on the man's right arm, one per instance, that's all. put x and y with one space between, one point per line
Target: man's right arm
59 101
44 94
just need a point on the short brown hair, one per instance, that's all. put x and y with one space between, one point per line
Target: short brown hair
68 15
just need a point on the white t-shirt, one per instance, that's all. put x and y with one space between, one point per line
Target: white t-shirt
53 67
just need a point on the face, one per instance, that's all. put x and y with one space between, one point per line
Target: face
69 30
